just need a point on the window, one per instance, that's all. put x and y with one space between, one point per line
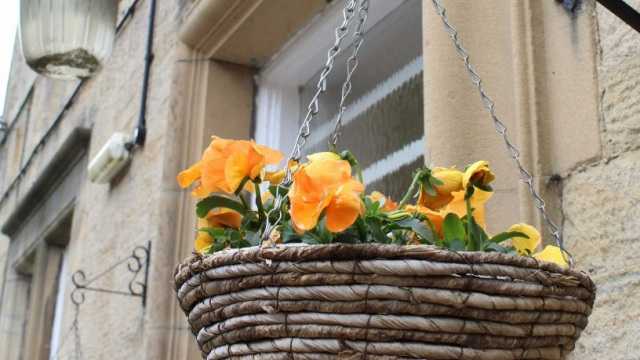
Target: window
383 125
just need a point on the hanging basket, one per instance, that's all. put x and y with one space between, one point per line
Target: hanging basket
376 301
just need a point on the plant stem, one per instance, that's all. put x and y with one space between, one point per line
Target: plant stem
410 191
471 243
433 231
244 200
261 215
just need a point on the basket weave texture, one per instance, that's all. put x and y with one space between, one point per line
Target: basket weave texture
381 302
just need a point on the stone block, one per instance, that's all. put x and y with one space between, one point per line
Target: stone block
620 89
601 206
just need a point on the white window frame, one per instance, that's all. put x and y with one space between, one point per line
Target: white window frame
277 101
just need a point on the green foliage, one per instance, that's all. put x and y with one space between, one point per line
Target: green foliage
204 206
377 224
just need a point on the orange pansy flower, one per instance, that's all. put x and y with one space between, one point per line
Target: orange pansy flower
325 185
216 218
388 205
458 206
225 164
477 174
452 182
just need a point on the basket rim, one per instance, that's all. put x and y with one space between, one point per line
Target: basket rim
197 263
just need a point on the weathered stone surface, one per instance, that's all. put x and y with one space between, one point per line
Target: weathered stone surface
619 42
620 89
619 82
602 208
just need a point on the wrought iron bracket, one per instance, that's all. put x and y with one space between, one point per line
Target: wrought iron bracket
136 262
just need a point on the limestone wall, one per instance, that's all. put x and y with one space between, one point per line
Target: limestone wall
601 202
108 220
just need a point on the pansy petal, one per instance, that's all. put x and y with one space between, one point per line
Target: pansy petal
524 244
203 243
271 156
327 155
235 170
553 254
255 162
187 177
224 217
213 177
479 173
342 211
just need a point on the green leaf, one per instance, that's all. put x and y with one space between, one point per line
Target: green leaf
375 227
418 227
429 190
480 237
247 218
219 244
507 235
457 245
324 236
361 229
435 182
283 190
215 233
204 206
453 228
252 238
484 188
496 248
291 236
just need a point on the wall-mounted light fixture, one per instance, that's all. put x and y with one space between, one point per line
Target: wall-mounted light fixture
67 39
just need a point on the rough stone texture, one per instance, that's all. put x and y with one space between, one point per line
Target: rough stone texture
602 207
619 80
601 202
108 220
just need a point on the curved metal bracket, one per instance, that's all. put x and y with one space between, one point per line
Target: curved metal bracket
138 260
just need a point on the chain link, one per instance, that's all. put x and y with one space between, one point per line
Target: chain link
502 129
303 134
352 63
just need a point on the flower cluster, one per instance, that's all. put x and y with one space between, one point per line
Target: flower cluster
324 203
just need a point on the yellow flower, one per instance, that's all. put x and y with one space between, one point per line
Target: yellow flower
523 245
452 182
388 205
550 253
477 174
553 254
225 164
276 177
216 218
325 185
459 207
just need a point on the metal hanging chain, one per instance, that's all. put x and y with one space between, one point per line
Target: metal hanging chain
352 63
502 129
303 134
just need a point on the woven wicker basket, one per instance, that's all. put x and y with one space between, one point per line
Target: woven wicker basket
381 302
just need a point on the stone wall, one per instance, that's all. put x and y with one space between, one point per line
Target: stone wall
108 220
601 201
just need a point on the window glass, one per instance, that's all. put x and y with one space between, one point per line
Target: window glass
383 126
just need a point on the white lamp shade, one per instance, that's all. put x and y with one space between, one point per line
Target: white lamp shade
67 39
